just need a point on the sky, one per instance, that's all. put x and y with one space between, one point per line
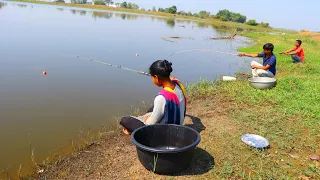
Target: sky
287 14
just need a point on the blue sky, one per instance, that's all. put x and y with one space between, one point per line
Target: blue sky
286 14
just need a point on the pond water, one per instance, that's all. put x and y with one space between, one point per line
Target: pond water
45 112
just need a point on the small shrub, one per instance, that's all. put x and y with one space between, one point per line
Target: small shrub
99 2
266 25
252 22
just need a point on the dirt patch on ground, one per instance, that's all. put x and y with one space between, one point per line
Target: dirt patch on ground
313 35
107 158
113 156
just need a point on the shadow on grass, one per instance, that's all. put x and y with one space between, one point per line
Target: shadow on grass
196 124
201 163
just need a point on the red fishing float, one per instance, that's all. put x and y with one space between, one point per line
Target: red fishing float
44 73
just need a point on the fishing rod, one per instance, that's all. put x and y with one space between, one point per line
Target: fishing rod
233 54
109 64
142 72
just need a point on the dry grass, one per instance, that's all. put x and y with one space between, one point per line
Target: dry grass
311 35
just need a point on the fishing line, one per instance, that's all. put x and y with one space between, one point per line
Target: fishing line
142 72
109 64
203 50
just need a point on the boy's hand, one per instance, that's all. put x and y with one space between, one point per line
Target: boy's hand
242 54
145 118
254 66
281 53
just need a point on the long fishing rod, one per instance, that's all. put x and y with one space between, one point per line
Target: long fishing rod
109 64
203 50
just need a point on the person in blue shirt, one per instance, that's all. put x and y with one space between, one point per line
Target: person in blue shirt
268 69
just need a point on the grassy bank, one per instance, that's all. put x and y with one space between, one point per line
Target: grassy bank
288 116
214 21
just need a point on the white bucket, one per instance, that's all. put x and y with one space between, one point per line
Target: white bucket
228 78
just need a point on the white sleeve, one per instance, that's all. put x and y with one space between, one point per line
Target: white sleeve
158 110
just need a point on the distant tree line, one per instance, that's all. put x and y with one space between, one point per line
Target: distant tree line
99 2
78 1
59 1
224 15
171 10
129 5
96 2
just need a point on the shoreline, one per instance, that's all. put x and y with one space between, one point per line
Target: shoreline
212 21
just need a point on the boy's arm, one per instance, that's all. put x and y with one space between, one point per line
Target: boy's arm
294 51
158 111
261 67
291 53
271 62
248 55
288 51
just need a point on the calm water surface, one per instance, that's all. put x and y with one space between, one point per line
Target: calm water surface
77 95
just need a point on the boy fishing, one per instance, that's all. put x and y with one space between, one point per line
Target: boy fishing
169 104
268 69
297 53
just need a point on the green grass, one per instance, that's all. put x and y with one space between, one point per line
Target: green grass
288 115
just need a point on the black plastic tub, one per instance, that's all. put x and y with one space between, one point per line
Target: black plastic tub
165 149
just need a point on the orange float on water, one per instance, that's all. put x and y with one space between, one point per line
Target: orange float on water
44 73
137 54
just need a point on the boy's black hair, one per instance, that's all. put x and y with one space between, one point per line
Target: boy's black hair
268 46
299 41
161 68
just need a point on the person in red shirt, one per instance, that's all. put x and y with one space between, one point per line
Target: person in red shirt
297 53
